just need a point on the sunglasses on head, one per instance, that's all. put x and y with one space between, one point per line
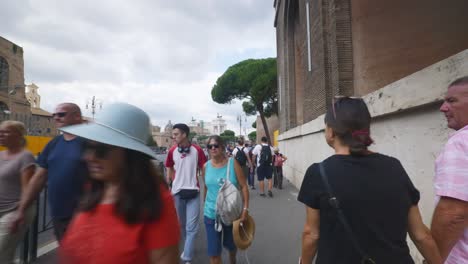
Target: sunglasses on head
100 151
211 146
337 99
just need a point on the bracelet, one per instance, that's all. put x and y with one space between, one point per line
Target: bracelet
246 209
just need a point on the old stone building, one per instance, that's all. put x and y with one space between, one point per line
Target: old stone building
13 103
163 138
399 56
42 123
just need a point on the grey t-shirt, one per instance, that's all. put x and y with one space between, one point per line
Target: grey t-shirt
10 179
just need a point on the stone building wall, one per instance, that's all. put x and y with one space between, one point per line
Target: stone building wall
12 79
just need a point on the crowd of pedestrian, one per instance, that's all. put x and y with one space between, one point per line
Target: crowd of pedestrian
110 204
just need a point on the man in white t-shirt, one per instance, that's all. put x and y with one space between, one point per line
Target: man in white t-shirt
244 160
183 162
263 154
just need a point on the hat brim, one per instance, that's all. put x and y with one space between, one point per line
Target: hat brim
106 135
243 236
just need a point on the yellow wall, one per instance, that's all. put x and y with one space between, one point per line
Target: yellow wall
275 138
35 144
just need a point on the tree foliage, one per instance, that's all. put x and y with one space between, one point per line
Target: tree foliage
252 79
228 136
254 124
252 136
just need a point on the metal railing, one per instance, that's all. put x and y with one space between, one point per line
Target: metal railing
28 247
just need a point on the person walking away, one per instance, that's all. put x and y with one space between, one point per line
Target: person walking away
183 162
127 215
214 171
17 166
450 219
251 175
60 166
363 204
241 154
278 160
263 154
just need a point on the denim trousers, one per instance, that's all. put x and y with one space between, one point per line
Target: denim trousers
188 212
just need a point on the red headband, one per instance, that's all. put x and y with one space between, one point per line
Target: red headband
365 132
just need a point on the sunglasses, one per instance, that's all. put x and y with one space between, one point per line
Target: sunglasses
337 99
59 114
211 146
100 151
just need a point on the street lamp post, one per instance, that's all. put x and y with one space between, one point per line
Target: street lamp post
239 119
93 104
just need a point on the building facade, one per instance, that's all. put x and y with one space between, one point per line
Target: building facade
42 123
399 56
13 103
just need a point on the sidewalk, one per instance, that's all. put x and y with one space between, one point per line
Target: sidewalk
279 222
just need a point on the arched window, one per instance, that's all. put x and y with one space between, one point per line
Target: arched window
4 70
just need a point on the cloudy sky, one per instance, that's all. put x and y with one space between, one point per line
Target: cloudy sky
161 55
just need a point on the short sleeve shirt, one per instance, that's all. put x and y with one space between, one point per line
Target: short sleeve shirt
66 174
10 179
258 149
375 194
451 180
101 237
185 166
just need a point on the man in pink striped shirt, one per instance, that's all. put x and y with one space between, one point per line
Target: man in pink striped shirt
450 220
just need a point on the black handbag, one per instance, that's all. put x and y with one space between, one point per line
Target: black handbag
187 194
333 201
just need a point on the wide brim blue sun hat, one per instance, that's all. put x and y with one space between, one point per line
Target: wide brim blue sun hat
118 124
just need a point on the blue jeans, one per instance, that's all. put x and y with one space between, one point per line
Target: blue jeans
251 177
188 212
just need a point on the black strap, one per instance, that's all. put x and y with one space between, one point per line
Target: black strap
333 201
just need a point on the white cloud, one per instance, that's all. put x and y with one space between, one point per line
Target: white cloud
163 56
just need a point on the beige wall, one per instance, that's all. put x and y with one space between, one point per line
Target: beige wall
392 39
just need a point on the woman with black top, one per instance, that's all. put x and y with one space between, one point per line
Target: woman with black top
376 196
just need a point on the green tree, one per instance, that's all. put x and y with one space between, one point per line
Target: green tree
228 136
252 136
252 79
192 135
202 139
254 124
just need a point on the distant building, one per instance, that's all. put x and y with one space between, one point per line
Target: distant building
217 126
42 123
163 138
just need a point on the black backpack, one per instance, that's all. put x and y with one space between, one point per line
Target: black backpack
265 156
241 157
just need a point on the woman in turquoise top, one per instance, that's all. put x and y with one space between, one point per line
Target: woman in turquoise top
214 171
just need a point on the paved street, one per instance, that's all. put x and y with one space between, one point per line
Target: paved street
279 223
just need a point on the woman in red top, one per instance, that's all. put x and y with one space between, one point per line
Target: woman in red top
127 214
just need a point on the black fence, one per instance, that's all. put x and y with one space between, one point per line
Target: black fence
28 249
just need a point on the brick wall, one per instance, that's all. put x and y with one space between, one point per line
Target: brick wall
304 94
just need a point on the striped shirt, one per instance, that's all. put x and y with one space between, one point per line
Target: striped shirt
451 180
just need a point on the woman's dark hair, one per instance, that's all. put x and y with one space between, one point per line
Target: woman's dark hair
350 120
139 197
